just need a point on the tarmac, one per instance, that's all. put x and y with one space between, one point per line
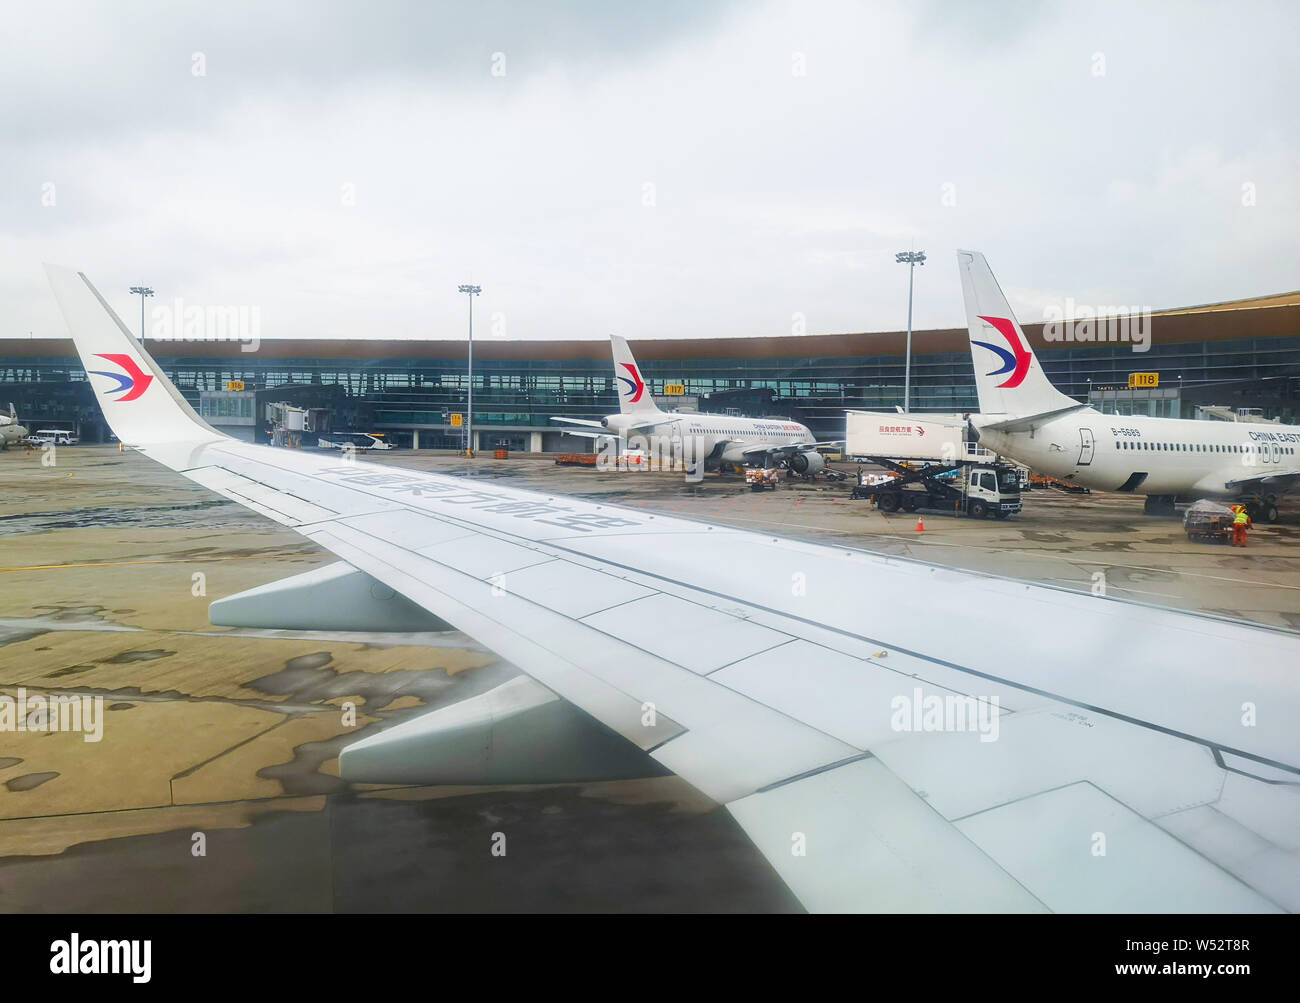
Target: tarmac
215 785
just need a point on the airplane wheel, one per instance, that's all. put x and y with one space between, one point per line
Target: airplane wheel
1268 513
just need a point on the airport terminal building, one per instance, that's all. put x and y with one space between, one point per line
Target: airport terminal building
1244 353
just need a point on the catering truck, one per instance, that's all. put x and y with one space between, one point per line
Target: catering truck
933 466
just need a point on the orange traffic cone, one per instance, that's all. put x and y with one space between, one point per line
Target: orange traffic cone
920 525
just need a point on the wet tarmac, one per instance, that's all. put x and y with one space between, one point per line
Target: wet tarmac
567 849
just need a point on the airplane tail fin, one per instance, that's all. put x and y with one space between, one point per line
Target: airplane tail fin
139 402
1009 378
633 393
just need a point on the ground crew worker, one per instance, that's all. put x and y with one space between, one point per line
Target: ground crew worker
1240 522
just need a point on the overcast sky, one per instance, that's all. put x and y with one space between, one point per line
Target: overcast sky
667 169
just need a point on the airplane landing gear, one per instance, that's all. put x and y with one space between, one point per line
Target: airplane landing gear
1261 511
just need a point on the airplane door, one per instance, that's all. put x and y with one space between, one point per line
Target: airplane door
1085 446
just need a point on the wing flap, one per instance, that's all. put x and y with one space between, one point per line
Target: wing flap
857 839
1051 748
1079 850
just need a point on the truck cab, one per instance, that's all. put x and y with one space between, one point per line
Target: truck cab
992 489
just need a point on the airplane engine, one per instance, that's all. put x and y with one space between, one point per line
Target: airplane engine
807 463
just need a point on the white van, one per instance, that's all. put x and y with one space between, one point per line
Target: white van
58 436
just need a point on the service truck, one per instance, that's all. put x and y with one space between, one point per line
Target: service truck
935 467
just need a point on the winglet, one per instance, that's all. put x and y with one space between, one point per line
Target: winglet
139 402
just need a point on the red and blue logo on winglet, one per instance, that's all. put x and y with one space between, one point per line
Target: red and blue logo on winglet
635 386
132 379
1016 362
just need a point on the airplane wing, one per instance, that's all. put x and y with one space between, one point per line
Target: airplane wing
1274 481
584 434
786 448
656 422
892 735
649 423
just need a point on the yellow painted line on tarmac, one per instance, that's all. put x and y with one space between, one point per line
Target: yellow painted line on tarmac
179 560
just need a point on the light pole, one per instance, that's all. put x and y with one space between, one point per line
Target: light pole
471 291
144 292
911 259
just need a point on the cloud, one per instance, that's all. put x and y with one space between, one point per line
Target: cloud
701 171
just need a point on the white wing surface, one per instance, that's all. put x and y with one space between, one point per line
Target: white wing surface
893 735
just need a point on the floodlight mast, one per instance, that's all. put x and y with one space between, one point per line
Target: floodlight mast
911 259
144 292
471 292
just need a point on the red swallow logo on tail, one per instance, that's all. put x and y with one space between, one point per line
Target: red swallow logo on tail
132 379
1016 362
635 386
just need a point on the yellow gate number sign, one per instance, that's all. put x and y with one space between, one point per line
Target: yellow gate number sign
1136 380
674 389
457 420
234 384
